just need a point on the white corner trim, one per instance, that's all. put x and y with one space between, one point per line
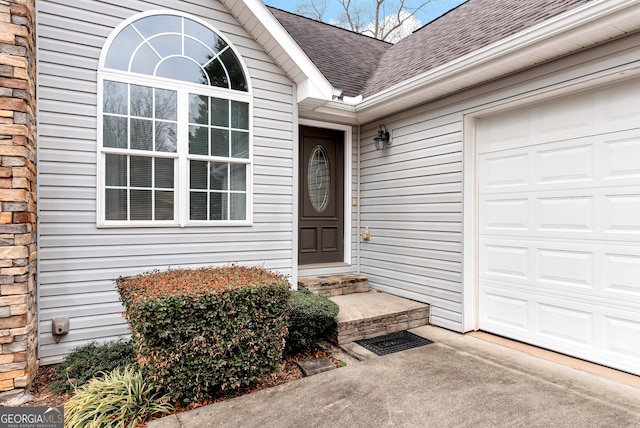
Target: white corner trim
316 84
470 310
546 31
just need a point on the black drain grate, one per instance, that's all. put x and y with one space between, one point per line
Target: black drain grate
393 342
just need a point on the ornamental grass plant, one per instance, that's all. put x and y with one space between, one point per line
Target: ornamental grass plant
120 399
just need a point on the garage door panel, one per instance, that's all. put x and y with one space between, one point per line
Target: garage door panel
559 225
585 330
620 158
586 213
572 115
505 313
621 213
511 214
505 260
586 271
612 108
570 213
618 332
562 164
504 173
570 326
569 269
622 276
603 160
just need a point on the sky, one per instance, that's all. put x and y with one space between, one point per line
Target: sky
433 10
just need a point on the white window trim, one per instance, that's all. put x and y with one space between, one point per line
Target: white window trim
181 177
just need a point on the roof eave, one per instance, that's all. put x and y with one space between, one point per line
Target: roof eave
545 41
267 31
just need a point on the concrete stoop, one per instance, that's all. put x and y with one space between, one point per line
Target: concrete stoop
364 313
372 314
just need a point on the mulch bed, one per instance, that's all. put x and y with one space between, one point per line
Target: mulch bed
289 371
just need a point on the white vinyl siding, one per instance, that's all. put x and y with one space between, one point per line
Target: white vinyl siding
412 193
77 261
411 201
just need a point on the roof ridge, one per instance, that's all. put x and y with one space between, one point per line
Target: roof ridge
438 17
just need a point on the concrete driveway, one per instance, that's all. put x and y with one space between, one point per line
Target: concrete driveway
458 381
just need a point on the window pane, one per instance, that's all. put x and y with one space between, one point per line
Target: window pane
232 64
198 140
198 109
114 132
141 205
166 135
167 44
180 68
198 206
219 176
140 171
115 204
240 144
164 205
115 97
116 170
122 48
141 101
216 73
141 134
144 61
150 25
238 177
205 35
218 206
238 206
197 51
198 175
219 112
166 104
239 115
164 173
219 142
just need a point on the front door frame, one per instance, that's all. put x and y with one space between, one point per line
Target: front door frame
347 191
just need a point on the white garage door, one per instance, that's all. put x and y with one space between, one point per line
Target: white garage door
559 225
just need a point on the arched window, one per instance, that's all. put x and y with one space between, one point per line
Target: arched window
174 125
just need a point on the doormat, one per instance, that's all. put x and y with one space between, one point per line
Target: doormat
393 342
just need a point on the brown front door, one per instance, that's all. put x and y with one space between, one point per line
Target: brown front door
321 221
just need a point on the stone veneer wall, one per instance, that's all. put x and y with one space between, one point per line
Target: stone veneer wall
18 250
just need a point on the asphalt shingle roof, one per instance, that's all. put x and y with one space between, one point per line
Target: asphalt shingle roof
346 59
361 65
467 28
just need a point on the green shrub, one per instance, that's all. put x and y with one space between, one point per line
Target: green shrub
121 398
85 362
310 316
201 331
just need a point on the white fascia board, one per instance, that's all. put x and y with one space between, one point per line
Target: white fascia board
546 31
314 84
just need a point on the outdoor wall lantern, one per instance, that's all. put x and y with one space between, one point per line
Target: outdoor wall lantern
381 140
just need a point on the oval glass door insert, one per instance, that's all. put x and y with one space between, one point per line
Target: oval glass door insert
319 178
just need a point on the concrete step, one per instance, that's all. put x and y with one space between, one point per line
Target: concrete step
372 314
334 285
